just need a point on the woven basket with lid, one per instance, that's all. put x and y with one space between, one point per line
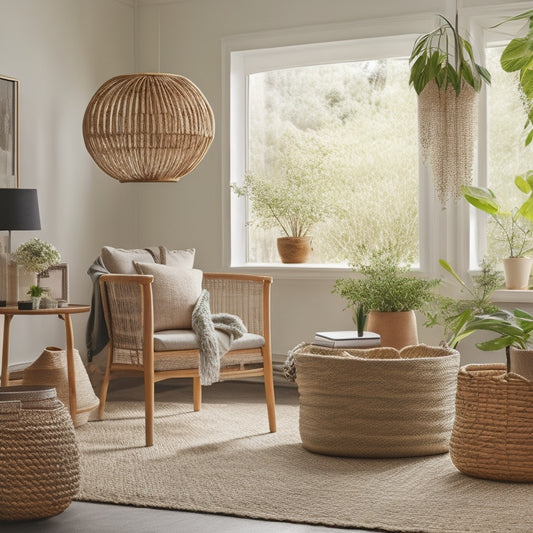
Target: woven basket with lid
39 459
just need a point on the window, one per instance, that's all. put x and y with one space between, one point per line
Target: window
353 125
345 109
507 154
350 100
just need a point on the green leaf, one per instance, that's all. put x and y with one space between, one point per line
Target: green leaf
521 16
495 344
522 184
526 209
526 77
444 264
516 55
529 137
481 198
483 72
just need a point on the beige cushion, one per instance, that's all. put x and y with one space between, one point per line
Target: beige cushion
175 292
178 258
185 339
172 340
120 261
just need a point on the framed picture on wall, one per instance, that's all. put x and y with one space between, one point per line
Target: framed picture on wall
55 280
9 145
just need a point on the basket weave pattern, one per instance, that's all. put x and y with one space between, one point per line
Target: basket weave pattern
148 127
379 402
492 436
39 457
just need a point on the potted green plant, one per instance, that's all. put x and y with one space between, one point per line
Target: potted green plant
36 292
455 314
447 81
515 228
390 294
293 202
33 257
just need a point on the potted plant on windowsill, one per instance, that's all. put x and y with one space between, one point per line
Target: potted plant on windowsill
514 227
447 81
390 294
455 314
293 202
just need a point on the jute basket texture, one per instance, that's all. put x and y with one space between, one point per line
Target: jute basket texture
492 436
378 402
50 369
39 456
148 127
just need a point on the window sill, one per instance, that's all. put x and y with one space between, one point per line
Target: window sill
515 296
295 270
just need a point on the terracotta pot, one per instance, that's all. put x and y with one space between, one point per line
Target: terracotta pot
294 249
517 271
397 329
521 362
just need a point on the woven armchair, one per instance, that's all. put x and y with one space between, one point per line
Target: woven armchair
134 347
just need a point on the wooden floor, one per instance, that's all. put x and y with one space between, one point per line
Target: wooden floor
83 517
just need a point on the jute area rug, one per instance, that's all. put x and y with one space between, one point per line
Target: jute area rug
223 460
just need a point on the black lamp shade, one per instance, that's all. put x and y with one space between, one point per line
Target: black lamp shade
19 209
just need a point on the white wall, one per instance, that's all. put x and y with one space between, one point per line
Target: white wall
190 33
61 51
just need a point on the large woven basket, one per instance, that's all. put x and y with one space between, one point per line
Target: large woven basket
379 402
492 436
39 457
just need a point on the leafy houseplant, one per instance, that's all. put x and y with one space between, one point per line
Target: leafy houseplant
454 314
292 202
518 57
36 255
447 80
36 291
386 287
515 227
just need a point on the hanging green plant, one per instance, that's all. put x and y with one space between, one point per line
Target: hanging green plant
447 80
518 57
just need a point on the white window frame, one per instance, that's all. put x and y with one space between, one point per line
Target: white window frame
444 233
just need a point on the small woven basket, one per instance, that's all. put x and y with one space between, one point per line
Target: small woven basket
50 369
492 436
39 457
378 402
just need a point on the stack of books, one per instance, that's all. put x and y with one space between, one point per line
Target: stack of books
346 339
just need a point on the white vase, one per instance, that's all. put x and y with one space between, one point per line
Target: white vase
35 302
517 271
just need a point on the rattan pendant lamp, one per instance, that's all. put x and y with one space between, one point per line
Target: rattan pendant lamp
148 127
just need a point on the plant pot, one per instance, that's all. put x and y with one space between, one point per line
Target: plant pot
294 249
517 271
397 329
35 302
521 362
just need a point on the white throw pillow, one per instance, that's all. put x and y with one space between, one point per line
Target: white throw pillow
178 258
175 292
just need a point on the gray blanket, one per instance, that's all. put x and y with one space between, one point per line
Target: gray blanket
215 334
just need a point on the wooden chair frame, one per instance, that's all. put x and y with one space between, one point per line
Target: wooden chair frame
143 283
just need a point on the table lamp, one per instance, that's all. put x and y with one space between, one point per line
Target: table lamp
19 211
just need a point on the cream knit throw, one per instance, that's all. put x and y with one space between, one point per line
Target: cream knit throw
215 334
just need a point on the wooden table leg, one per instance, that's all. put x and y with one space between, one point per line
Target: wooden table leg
5 351
71 373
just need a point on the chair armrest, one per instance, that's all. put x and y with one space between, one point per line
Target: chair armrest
244 295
